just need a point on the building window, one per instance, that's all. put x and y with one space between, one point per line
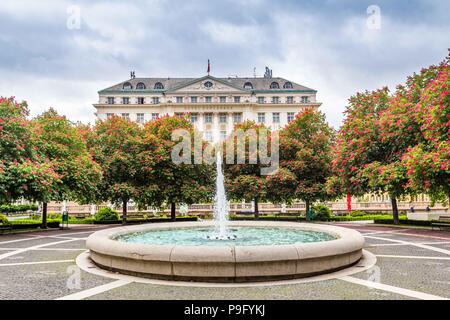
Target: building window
194 117
208 136
126 116
159 86
155 116
140 100
140 118
125 100
290 116
305 99
223 135
222 118
261 100
208 99
274 85
179 114
237 99
223 99
276 117
290 100
248 86
111 100
275 99
155 100
261 117
179 99
109 115
287 85
208 84
193 99
237 117
208 117
127 86
140 86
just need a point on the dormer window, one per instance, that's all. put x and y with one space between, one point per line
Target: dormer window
159 86
288 85
127 86
248 85
274 85
140 86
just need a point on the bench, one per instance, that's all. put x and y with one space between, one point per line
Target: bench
441 222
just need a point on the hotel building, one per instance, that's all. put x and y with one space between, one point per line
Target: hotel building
213 104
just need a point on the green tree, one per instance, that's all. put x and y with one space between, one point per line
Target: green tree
115 144
58 141
305 156
243 168
171 182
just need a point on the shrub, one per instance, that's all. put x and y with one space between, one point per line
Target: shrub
13 208
321 212
3 220
106 214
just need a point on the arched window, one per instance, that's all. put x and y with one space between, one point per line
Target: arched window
274 85
159 86
248 85
127 86
288 85
140 86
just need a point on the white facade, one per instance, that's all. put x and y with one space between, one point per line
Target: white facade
214 105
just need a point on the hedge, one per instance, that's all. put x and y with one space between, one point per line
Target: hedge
31 224
149 220
13 208
268 218
406 221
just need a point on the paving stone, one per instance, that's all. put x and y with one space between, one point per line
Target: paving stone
330 290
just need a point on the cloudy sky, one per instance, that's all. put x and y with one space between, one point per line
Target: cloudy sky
52 57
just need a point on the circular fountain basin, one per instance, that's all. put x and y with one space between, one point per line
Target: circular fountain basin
261 251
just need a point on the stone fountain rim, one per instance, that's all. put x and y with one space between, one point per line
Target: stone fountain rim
347 241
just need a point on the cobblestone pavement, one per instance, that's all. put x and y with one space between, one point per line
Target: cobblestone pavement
412 263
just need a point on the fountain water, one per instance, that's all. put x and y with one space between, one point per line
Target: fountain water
221 208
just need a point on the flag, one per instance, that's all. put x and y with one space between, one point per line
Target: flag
209 67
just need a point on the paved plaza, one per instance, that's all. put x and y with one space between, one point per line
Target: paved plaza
411 263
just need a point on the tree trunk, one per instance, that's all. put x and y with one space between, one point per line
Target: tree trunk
256 209
395 210
448 200
44 215
307 207
124 211
173 215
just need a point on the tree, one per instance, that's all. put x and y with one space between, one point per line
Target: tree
428 162
362 154
58 141
23 174
115 144
244 178
174 183
305 154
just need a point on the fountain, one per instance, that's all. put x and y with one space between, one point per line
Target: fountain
221 208
225 251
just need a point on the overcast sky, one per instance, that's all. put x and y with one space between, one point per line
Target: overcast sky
49 60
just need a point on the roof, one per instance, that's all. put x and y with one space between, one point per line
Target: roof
259 84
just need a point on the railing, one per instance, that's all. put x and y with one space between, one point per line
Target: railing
263 207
